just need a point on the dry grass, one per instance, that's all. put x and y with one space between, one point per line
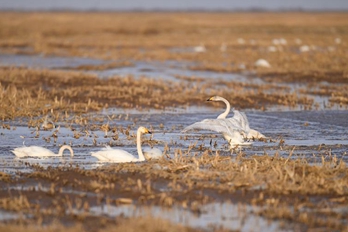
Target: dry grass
283 188
146 224
120 36
31 93
4 176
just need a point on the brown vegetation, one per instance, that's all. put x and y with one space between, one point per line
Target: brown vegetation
292 189
144 36
283 188
30 93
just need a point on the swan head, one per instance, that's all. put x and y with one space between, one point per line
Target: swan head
215 98
144 130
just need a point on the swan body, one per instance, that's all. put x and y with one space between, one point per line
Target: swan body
272 49
240 117
153 153
109 154
36 151
305 48
200 48
240 41
262 63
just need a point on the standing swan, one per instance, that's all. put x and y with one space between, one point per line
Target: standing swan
36 151
120 156
238 116
232 129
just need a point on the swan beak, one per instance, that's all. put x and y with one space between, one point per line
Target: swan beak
149 132
209 99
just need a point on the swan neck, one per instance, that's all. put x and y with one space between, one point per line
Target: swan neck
140 152
228 108
65 147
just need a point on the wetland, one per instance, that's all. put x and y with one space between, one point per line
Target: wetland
98 76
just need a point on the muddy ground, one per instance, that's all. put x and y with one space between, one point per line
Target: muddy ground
98 76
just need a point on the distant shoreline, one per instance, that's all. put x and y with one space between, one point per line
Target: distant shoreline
196 10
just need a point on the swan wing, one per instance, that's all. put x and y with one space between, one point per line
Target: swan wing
218 125
242 119
114 155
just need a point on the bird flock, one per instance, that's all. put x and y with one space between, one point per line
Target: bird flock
235 130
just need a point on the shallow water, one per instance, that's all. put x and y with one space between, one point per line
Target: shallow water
49 62
214 215
309 134
169 71
8 216
224 215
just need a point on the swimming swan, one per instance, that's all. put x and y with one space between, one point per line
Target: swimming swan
238 116
36 151
109 154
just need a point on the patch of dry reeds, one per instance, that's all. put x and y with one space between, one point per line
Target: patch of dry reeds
283 188
32 93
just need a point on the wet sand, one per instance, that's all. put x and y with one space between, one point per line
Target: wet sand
98 76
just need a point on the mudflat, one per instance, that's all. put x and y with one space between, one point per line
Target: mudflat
97 76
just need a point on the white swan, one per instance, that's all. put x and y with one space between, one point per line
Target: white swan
235 130
232 129
109 154
36 151
240 117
